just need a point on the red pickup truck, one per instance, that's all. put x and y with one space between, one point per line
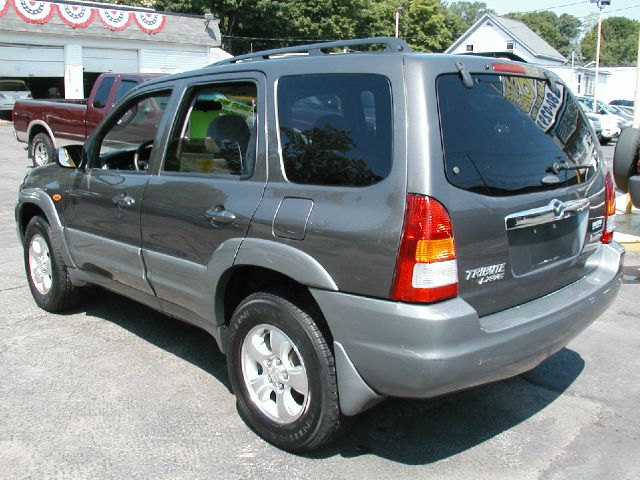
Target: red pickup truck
45 125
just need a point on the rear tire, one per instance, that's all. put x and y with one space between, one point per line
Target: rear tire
283 373
42 150
47 275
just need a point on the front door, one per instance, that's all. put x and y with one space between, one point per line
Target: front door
207 189
102 200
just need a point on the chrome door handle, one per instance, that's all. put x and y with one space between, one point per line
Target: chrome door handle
219 215
123 201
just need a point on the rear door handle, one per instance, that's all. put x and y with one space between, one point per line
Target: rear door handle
123 201
220 216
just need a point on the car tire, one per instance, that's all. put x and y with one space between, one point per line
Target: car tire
42 150
47 276
282 371
625 157
604 140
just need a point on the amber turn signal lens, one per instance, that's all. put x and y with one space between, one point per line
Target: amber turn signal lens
56 197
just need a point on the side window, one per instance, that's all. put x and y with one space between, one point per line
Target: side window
127 144
123 89
101 96
215 132
335 129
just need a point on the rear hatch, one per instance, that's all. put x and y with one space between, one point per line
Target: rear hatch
527 207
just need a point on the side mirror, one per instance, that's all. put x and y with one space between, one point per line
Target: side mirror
70 156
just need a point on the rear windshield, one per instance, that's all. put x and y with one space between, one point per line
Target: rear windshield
508 135
12 86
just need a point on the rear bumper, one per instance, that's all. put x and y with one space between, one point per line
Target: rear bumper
421 351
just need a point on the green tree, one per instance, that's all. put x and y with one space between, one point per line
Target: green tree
423 23
619 42
461 15
559 32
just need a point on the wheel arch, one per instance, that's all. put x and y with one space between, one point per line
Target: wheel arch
34 202
39 126
264 265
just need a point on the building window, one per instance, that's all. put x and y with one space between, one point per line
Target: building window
469 47
579 83
510 46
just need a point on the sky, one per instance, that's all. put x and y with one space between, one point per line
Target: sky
626 8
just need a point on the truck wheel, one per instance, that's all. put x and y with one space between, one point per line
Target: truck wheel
47 275
42 151
283 373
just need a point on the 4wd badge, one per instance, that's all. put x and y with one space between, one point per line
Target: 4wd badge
490 273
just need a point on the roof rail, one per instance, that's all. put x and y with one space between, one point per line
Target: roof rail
394 45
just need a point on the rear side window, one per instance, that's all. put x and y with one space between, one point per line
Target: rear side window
335 129
100 99
509 134
123 89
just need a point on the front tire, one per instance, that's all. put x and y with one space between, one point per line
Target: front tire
42 150
47 275
283 373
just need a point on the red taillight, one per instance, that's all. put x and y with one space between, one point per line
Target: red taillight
508 68
426 269
609 210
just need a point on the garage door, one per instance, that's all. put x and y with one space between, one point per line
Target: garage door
101 60
36 61
171 61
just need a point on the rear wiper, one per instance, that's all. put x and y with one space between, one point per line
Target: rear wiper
557 167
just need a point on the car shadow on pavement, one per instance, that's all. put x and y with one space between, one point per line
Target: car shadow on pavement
418 432
412 432
185 341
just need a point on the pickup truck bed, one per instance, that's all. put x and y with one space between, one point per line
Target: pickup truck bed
45 125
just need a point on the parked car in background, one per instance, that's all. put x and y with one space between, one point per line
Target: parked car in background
621 112
611 124
596 124
626 103
347 226
45 125
10 91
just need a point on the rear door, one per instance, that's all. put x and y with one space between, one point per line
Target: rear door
206 191
524 185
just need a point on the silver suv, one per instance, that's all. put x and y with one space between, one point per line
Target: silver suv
348 225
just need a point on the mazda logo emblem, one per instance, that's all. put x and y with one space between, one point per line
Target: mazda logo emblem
558 208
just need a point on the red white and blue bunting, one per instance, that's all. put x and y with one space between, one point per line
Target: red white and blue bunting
150 22
114 19
34 12
4 6
80 16
76 16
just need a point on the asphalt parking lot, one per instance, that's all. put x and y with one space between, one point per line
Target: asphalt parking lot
113 389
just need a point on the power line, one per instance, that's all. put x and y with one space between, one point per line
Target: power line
554 7
620 9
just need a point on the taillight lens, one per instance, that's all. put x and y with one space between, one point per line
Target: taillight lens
426 268
609 210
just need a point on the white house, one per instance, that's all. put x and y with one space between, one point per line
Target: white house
493 34
499 35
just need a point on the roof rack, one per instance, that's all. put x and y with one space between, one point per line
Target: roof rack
392 45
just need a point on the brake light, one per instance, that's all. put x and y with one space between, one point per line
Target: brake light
508 68
426 268
609 210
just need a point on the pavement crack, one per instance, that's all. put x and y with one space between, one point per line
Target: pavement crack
12 288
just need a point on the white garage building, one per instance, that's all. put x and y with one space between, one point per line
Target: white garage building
67 44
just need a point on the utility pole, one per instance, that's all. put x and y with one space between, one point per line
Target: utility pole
601 4
636 103
399 11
